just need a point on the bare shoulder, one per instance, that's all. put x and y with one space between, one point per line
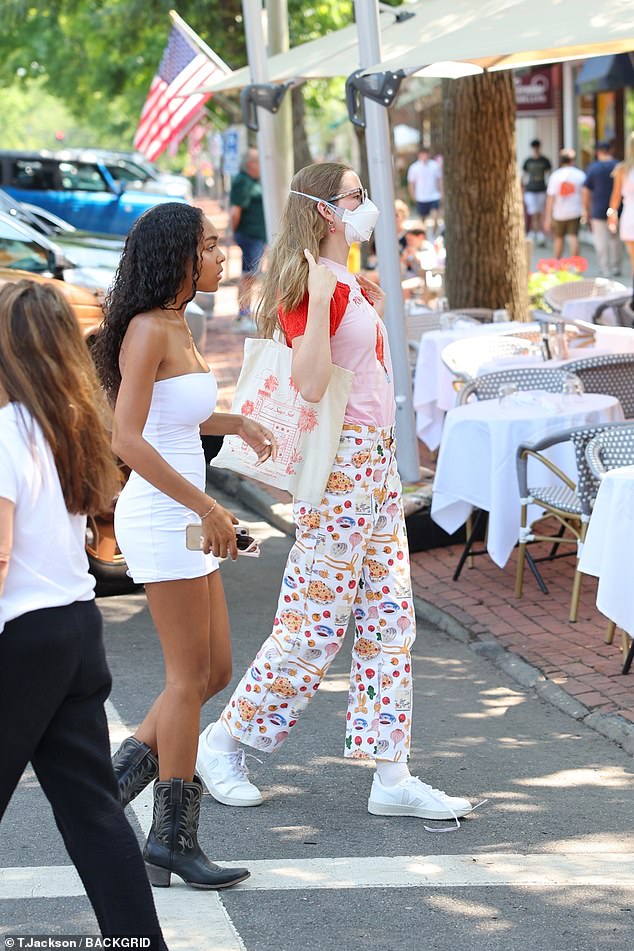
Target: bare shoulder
145 339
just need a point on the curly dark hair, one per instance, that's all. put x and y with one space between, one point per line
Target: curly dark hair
161 246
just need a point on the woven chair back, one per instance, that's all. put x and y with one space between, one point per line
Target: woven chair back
612 374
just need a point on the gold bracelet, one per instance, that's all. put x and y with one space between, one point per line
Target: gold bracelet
203 517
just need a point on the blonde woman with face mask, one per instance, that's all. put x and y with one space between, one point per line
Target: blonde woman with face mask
350 553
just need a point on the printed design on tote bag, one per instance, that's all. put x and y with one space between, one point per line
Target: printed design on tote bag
288 421
307 433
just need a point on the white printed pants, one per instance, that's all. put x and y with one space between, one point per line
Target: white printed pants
350 554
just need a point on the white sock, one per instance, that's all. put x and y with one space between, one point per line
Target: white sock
391 773
220 739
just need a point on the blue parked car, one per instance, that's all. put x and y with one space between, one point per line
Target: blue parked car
76 186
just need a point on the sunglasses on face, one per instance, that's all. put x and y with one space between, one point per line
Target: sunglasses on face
360 193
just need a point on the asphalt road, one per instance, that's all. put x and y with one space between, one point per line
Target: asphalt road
547 864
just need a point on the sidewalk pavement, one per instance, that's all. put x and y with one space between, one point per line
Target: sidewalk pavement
569 665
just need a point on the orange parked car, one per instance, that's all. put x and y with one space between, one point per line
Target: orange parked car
107 563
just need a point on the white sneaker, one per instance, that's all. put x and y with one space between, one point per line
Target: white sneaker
225 774
411 797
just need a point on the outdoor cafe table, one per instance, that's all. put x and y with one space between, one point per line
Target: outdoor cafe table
608 551
477 459
434 393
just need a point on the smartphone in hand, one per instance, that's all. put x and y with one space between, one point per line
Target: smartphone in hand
247 545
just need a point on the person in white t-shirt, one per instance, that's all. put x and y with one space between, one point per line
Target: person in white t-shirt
56 465
564 203
424 180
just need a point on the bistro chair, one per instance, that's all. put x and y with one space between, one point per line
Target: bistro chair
550 379
613 449
464 357
621 309
568 503
612 374
557 296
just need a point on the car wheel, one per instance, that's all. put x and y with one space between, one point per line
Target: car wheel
105 560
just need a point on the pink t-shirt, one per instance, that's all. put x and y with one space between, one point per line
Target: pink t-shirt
358 342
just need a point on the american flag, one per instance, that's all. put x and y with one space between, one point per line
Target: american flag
170 109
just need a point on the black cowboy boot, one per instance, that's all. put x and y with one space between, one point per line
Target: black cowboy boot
172 845
135 766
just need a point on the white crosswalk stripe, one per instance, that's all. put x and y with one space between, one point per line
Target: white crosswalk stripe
545 870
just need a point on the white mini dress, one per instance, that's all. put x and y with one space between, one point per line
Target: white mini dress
149 525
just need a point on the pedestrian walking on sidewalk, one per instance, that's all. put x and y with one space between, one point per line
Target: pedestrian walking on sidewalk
535 171
350 552
623 191
249 232
424 181
56 466
564 204
165 395
597 191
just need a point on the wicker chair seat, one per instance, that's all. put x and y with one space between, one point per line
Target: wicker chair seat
557 497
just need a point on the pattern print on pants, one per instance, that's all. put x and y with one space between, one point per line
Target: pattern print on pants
350 553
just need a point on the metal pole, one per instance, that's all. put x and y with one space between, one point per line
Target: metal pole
382 188
569 106
273 190
278 42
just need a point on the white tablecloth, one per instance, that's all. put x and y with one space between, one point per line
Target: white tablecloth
614 339
608 551
477 459
434 393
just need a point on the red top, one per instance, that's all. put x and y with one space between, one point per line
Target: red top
294 321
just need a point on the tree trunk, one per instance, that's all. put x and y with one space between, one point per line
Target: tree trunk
484 233
301 151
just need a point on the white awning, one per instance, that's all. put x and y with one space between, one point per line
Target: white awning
489 34
507 34
336 54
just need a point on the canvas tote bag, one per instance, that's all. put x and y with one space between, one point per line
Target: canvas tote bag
307 433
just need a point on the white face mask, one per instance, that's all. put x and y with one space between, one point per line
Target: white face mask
359 222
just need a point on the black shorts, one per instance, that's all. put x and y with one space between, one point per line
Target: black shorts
424 207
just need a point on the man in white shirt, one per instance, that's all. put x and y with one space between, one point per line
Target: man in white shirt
424 180
564 203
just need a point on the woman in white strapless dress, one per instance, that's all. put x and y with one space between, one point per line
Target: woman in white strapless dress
165 396
623 190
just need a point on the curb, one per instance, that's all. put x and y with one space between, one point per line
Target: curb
610 725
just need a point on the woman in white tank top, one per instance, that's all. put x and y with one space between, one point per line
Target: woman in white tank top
165 395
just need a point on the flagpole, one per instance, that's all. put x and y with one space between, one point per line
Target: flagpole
187 31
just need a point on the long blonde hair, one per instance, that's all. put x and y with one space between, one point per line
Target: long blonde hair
301 226
628 163
45 365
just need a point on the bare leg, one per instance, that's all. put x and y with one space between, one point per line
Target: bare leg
558 246
574 244
219 645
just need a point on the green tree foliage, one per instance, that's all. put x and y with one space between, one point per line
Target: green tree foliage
99 56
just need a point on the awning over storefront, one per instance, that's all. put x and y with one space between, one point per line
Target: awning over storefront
605 74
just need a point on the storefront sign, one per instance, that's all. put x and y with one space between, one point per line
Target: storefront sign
534 90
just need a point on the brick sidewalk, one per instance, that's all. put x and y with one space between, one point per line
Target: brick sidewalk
535 628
